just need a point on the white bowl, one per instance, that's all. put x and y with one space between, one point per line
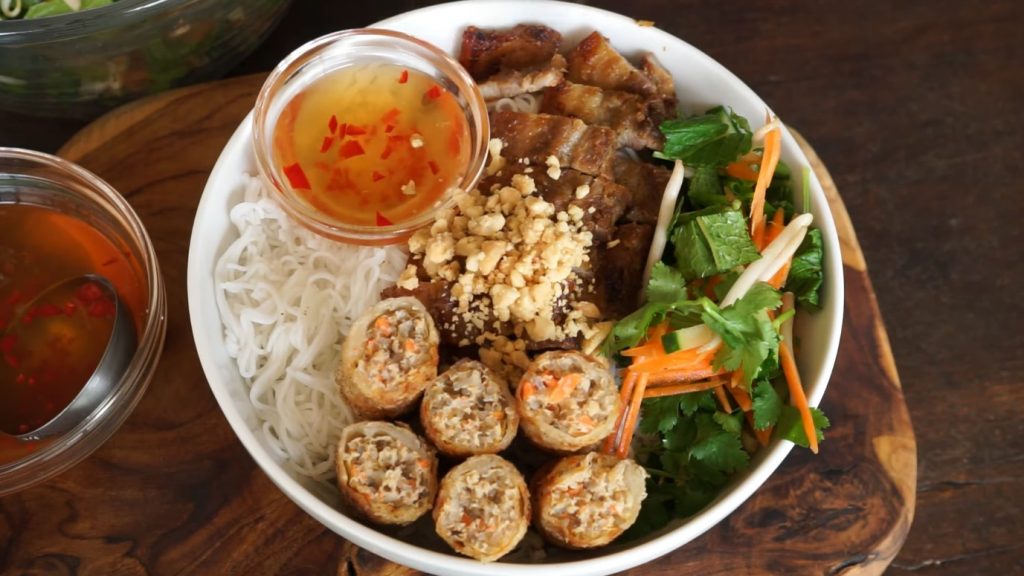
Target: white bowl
702 83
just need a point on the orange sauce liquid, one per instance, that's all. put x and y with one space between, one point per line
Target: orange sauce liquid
351 141
46 359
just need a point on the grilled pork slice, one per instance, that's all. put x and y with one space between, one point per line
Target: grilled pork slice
620 269
469 410
386 471
483 508
593 61
573 143
567 401
602 201
588 500
388 358
485 52
513 82
454 330
663 82
634 118
646 182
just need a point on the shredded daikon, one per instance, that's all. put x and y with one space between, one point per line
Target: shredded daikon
665 213
286 298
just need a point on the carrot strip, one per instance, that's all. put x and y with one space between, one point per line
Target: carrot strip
779 278
741 397
676 389
741 171
624 395
683 359
723 400
665 377
796 393
769 160
629 427
773 229
763 436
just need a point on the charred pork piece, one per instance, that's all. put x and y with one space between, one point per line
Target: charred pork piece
436 296
634 118
646 183
607 199
620 269
588 149
511 82
593 61
485 52
663 81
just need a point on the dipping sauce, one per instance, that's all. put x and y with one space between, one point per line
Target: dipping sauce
48 349
373 144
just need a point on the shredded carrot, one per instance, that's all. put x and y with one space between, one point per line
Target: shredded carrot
382 324
796 393
773 229
769 160
563 387
709 286
624 395
664 377
763 436
675 389
526 390
779 278
741 170
723 400
741 396
680 360
631 416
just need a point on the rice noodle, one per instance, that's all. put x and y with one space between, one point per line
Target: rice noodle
521 103
286 298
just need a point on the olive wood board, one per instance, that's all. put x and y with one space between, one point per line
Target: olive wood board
175 492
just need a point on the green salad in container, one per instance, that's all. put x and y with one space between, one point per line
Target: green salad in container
30 9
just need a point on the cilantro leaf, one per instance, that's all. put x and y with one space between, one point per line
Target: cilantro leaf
791 428
666 284
767 405
731 423
715 138
659 414
805 274
690 403
711 241
716 447
745 328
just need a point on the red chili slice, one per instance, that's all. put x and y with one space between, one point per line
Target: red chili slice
297 177
390 116
350 149
342 131
354 130
433 167
434 93
382 220
404 77
377 176
328 140
387 151
332 124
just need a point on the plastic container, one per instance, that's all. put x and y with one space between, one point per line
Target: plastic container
79 65
44 180
335 51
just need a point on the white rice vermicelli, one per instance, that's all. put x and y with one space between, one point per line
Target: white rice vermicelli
286 298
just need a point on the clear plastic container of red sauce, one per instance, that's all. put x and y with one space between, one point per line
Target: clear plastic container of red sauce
57 222
366 134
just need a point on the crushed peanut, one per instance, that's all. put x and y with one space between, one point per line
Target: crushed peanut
554 168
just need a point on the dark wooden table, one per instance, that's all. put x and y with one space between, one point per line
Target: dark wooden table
915 106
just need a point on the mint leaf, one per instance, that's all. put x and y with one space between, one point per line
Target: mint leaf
806 274
767 405
711 241
666 284
715 138
705 188
791 428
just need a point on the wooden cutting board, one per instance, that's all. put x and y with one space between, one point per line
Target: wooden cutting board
174 492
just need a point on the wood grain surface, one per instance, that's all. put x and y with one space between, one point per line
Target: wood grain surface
174 492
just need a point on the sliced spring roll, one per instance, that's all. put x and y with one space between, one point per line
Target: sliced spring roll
483 508
588 500
389 357
469 410
386 471
567 401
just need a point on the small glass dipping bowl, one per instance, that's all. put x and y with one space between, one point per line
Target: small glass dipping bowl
46 181
340 50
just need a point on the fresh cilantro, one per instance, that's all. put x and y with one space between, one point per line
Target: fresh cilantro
767 405
659 414
745 329
805 273
666 284
716 447
715 138
791 428
712 241
731 423
690 403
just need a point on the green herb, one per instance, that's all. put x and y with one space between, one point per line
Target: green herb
666 284
705 188
712 241
767 405
807 189
714 138
805 273
746 330
790 427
